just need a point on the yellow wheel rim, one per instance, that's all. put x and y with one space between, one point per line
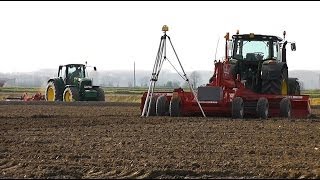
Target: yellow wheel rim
67 96
50 94
284 88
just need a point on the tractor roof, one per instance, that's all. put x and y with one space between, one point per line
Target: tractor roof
73 65
257 37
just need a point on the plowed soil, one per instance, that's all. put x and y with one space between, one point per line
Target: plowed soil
111 140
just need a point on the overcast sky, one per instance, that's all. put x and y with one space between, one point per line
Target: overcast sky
112 35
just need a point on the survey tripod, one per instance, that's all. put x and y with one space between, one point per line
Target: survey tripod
160 58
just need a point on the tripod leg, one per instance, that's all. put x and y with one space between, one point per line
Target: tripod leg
187 79
153 79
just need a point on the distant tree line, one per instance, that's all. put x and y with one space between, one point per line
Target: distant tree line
308 79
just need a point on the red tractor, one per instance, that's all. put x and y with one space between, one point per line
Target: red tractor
252 81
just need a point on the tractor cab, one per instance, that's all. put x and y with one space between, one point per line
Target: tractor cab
251 54
72 73
248 52
250 47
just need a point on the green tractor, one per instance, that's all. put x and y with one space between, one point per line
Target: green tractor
73 84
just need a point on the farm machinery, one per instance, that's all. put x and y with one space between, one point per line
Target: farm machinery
73 84
250 81
26 97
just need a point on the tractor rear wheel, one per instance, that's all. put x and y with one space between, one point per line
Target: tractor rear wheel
262 108
71 94
162 106
294 87
52 92
175 107
285 108
284 82
276 86
100 94
237 108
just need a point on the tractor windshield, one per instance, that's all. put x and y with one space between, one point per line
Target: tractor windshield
76 71
252 50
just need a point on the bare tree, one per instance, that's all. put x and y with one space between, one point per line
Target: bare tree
194 78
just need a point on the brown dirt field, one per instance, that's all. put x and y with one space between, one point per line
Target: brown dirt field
111 140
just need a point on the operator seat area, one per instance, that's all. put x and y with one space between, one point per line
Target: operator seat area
251 57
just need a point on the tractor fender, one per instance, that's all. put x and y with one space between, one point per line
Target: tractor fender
272 70
59 82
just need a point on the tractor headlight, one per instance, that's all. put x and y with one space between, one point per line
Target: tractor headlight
87 87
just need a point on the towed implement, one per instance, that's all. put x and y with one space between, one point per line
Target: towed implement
251 81
26 97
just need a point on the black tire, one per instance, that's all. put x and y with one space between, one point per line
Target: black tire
175 107
262 108
285 108
237 108
71 94
152 111
57 94
162 106
276 86
271 86
294 87
100 94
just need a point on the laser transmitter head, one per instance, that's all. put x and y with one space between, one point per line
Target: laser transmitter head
165 28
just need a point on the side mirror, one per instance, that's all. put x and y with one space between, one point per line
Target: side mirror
293 46
95 68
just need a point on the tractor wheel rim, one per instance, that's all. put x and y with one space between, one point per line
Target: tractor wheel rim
50 94
67 97
284 88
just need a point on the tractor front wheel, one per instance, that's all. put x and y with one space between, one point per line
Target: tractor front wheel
262 108
237 108
71 94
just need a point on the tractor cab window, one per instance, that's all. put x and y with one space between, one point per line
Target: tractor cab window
75 72
251 50
62 72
